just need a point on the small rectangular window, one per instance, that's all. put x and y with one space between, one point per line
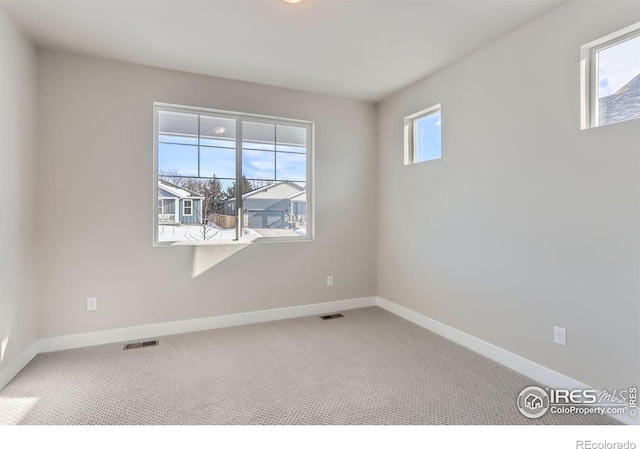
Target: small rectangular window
187 208
611 78
423 136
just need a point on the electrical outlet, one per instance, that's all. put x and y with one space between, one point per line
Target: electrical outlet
330 281
560 335
92 304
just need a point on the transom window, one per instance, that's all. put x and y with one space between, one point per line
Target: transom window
422 135
237 177
611 78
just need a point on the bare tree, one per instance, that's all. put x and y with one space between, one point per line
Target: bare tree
204 233
260 183
172 176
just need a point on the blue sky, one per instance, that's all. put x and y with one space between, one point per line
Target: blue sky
259 160
270 152
617 65
429 137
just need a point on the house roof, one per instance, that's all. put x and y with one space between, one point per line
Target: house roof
270 186
624 104
299 197
178 191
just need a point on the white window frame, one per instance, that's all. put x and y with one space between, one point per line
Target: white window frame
589 105
240 117
410 129
184 207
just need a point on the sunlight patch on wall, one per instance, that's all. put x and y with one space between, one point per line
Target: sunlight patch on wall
208 256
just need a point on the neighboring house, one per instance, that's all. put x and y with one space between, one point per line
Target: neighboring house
172 198
299 204
271 206
622 105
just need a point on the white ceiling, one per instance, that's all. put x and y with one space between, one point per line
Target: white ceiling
363 49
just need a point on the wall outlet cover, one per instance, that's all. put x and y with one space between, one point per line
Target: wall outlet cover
92 304
560 335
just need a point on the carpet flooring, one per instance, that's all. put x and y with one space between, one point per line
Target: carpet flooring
370 367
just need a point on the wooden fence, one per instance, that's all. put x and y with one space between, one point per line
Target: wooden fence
224 221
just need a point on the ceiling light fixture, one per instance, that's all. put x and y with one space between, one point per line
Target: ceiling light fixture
292 1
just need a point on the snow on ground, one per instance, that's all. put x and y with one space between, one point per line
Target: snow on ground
213 233
209 233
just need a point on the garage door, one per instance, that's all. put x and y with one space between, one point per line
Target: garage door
266 219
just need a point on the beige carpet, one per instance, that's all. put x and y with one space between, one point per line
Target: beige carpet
370 367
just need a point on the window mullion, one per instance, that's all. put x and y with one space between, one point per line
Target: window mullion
592 89
238 178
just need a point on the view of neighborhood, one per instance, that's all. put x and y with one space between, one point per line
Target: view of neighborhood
197 179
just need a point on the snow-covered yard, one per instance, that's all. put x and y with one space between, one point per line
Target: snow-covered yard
212 233
199 233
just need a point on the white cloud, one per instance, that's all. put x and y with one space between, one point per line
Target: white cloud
617 66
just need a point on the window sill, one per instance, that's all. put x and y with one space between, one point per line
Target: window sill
261 240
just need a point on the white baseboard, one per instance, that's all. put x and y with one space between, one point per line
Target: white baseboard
198 324
533 370
18 363
171 328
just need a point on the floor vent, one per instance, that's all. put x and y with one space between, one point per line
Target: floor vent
142 344
330 317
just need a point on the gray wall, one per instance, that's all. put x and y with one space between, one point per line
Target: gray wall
86 104
19 232
526 222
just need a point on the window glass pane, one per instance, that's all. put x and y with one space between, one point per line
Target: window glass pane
291 138
277 209
258 164
258 136
177 159
217 132
428 137
211 218
618 84
181 140
177 127
196 155
217 161
291 167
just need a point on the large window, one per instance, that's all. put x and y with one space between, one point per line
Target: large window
225 177
422 136
611 78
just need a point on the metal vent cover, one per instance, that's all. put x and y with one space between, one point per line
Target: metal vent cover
141 344
331 317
